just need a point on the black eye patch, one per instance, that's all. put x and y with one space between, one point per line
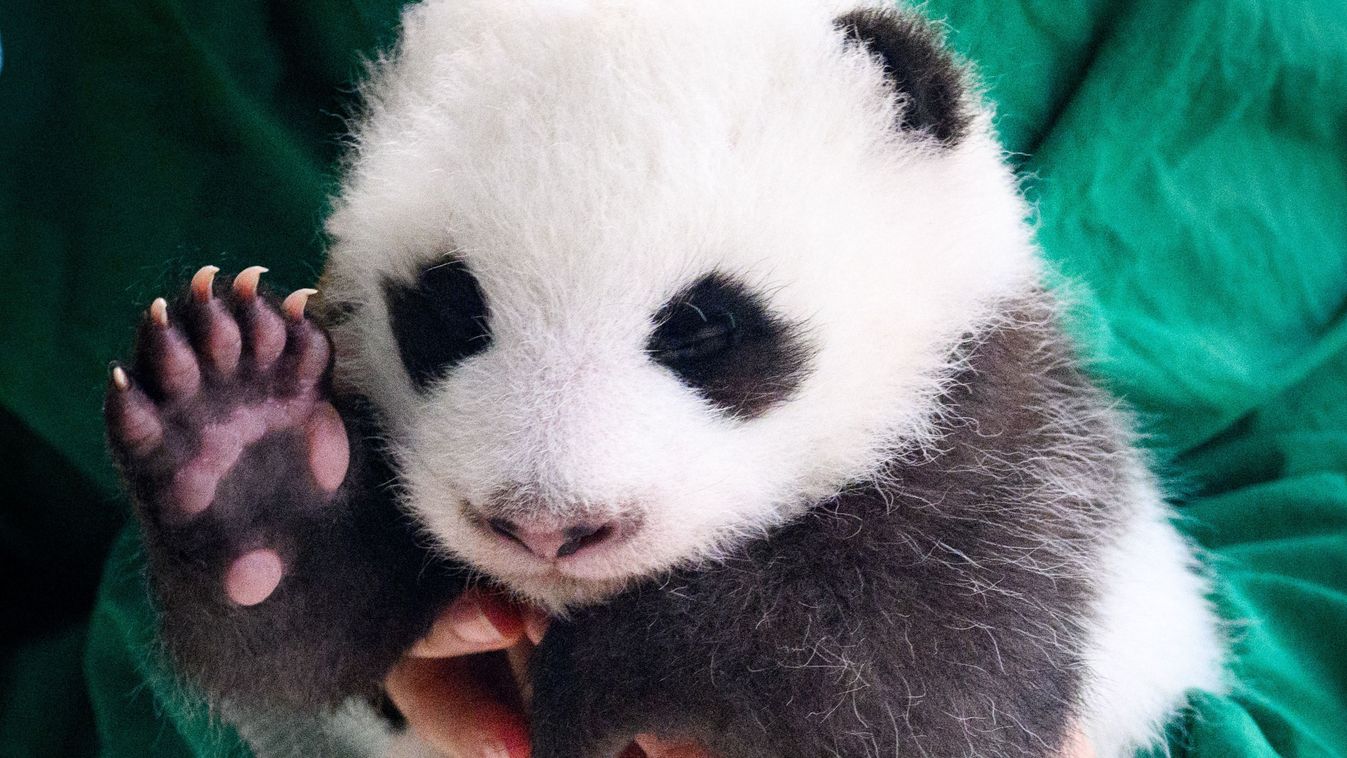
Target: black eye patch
719 338
438 321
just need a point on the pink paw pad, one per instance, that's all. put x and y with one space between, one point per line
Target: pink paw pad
329 451
253 576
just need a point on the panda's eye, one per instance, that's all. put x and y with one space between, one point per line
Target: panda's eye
438 321
692 334
719 338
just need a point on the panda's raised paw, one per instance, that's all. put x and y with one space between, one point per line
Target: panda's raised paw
225 431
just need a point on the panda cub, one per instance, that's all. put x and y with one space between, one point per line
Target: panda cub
715 329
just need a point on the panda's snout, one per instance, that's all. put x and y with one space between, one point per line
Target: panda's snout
549 542
551 528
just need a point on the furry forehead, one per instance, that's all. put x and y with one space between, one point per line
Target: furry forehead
623 132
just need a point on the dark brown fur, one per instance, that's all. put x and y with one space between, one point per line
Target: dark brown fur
918 614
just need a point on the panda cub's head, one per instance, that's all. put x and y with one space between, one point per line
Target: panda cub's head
630 280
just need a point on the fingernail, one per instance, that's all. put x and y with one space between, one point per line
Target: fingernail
119 378
471 624
535 625
159 311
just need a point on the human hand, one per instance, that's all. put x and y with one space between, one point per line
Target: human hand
467 703
456 697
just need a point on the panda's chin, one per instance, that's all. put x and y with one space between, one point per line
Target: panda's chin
583 578
559 592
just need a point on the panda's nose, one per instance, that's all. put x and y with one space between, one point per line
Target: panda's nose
552 543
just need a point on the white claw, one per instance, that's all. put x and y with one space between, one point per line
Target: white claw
203 283
294 303
159 311
245 284
120 380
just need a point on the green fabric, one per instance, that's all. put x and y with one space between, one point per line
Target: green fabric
1189 162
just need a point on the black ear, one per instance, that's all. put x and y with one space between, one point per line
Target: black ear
920 68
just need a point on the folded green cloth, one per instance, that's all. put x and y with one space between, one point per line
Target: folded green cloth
1188 160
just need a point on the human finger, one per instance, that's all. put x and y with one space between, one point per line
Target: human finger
456 705
476 622
535 624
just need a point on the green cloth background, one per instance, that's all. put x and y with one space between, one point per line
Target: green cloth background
1188 160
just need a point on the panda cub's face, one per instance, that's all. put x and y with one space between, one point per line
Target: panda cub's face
630 281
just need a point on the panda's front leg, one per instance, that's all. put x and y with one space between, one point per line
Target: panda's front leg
587 696
638 666
282 570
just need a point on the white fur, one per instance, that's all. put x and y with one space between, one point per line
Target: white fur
1154 634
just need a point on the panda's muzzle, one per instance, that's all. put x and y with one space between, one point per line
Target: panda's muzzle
553 543
552 528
